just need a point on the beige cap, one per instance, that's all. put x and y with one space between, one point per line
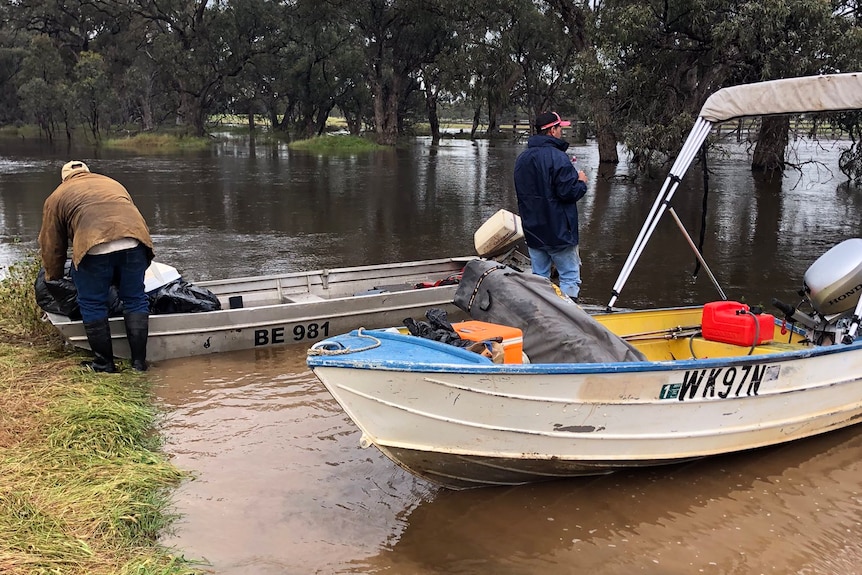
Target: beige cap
72 168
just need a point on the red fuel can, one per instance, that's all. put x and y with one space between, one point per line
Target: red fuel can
731 322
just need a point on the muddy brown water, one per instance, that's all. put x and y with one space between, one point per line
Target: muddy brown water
281 484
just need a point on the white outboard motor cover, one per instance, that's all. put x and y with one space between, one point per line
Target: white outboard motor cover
833 283
499 233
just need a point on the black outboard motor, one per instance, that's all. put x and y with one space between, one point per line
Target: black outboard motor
832 286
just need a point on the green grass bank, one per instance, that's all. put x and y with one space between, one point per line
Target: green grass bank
85 487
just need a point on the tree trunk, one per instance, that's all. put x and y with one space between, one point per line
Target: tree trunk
477 113
386 110
320 120
199 123
354 123
433 119
146 114
284 125
605 135
771 144
494 111
191 114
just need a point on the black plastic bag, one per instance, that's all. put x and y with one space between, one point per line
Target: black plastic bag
61 296
179 296
57 296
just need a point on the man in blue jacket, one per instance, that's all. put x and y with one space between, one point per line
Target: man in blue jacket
548 187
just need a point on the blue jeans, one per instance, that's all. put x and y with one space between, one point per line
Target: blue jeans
568 263
95 274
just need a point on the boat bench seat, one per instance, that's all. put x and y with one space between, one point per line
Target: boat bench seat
302 298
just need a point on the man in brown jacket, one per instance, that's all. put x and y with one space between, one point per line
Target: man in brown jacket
110 244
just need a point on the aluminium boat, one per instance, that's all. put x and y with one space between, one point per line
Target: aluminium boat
595 393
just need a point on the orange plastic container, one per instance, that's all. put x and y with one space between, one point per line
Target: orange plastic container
730 322
513 338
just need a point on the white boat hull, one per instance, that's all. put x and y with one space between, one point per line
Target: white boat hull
466 426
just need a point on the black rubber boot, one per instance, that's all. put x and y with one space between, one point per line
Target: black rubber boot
137 331
99 336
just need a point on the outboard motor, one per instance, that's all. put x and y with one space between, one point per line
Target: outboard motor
832 286
833 283
501 238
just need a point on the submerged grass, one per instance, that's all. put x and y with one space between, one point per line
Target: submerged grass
336 144
159 142
84 486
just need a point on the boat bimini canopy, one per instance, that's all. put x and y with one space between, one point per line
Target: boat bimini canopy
826 93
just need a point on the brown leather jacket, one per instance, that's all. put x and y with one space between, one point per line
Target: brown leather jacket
86 210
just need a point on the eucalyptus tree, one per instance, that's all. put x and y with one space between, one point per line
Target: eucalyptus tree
537 40
353 97
595 95
771 39
448 77
564 64
262 86
495 72
666 64
442 81
512 54
73 26
495 77
145 93
673 54
325 67
398 37
201 43
42 86
848 44
60 32
13 49
91 91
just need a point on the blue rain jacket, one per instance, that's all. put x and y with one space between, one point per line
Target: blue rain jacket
548 189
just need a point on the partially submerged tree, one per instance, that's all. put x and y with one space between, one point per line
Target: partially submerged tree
91 89
42 86
399 37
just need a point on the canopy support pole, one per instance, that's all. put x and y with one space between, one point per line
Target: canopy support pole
697 253
692 144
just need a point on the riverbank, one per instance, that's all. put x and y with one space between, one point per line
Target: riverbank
85 487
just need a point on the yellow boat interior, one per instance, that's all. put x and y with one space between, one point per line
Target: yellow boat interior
673 334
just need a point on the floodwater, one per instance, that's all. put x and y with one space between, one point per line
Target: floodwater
283 487
281 484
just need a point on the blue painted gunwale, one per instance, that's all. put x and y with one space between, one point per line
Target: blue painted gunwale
426 355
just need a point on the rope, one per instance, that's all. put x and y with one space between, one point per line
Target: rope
345 350
479 283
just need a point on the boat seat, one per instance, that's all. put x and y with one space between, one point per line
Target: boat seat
303 298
